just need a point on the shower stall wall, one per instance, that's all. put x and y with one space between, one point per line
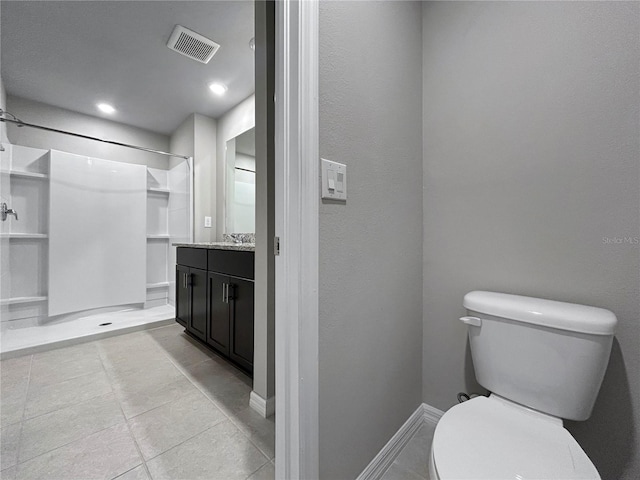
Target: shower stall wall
97 233
91 245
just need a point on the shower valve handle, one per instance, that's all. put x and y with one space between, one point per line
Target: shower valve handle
4 212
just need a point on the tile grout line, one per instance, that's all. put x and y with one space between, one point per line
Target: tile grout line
252 442
22 420
69 405
200 433
217 405
182 372
144 461
186 440
111 381
68 443
181 443
65 444
261 466
183 375
180 396
124 473
126 420
24 409
135 442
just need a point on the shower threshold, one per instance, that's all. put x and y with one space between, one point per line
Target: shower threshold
29 340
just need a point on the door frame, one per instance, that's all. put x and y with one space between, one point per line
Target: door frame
297 190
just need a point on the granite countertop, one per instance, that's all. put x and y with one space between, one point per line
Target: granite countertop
241 247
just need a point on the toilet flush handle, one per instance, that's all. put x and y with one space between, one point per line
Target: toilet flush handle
475 321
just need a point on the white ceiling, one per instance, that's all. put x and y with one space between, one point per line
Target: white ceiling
74 54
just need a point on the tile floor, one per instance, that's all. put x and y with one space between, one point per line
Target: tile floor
152 404
413 461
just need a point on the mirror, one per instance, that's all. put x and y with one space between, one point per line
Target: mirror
240 198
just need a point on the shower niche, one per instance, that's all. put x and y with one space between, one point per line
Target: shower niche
83 242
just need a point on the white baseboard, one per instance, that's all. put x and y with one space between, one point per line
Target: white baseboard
385 457
266 408
431 414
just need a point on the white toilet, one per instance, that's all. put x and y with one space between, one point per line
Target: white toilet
543 361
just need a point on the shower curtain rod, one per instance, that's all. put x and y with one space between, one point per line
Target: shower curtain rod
20 123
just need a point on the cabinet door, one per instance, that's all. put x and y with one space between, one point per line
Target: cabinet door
198 322
218 333
183 296
241 312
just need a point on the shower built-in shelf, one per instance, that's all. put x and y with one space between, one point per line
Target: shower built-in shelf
24 236
27 175
18 300
16 173
162 191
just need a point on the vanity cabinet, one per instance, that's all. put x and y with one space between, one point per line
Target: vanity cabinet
183 297
191 298
231 318
218 333
215 303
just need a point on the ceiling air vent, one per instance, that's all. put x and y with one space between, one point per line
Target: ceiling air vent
192 44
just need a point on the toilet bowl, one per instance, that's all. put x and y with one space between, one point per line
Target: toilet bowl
543 361
492 438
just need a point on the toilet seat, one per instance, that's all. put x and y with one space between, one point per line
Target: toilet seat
492 438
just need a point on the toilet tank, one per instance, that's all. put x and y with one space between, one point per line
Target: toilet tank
547 355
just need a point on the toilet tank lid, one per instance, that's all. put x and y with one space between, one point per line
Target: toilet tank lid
548 313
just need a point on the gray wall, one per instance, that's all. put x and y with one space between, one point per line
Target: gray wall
204 170
3 102
31 111
370 319
5 261
196 137
264 322
531 159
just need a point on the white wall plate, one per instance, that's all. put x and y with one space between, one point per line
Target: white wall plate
334 180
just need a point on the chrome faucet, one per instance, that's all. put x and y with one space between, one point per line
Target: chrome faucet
4 212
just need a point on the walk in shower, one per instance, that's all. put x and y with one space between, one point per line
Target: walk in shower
85 241
118 149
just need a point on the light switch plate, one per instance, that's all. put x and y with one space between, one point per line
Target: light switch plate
334 180
207 222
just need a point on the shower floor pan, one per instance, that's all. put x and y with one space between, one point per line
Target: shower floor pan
29 340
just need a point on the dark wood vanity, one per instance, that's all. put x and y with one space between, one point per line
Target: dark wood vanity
215 298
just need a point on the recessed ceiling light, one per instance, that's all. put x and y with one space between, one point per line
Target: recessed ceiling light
106 108
218 88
